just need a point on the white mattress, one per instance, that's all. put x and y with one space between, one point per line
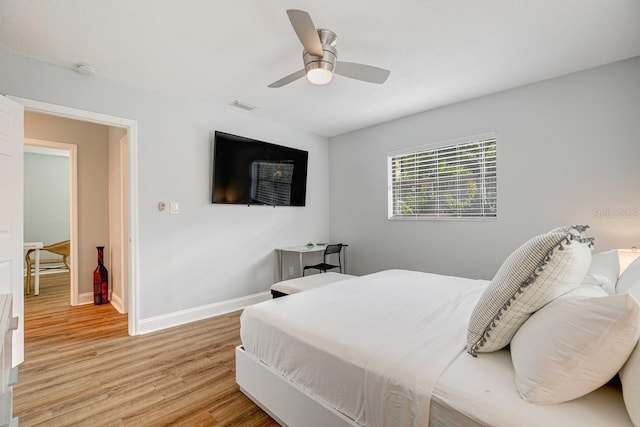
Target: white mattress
342 342
483 389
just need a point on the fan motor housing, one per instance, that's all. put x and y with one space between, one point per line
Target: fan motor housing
328 39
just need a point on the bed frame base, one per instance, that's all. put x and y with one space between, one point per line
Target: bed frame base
283 400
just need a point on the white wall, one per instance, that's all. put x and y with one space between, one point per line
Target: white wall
208 253
46 198
568 153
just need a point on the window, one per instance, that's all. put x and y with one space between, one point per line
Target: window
443 181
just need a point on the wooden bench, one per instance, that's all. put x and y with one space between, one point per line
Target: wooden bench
287 287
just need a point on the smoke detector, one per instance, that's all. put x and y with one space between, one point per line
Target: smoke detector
85 69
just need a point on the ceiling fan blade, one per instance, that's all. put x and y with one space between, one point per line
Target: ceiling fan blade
366 73
306 31
288 79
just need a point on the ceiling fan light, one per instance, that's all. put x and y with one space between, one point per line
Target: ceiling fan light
319 76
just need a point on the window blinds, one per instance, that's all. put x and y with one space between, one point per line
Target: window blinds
451 181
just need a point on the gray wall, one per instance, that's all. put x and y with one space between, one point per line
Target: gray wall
568 153
46 198
209 253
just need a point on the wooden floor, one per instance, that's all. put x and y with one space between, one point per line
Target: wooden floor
81 368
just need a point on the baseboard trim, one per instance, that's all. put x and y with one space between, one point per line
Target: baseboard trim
177 318
117 303
85 298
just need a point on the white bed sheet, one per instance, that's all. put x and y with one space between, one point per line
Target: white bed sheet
342 342
483 389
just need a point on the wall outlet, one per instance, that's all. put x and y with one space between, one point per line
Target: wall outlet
291 270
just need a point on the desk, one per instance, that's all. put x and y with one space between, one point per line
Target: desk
37 246
301 250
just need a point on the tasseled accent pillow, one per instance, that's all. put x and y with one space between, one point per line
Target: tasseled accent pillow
542 269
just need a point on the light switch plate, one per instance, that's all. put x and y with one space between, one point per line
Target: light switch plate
175 208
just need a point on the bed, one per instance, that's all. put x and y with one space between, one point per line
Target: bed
313 329
390 349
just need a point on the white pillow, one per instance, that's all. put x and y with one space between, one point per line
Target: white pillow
630 373
604 271
574 345
542 269
629 278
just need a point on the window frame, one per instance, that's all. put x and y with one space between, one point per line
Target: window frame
431 147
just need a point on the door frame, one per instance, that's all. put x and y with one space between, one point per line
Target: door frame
124 202
73 206
132 133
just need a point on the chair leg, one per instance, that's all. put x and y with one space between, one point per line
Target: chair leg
27 260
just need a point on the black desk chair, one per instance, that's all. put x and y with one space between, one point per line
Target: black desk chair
324 266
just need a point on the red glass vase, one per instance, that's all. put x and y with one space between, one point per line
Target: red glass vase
100 280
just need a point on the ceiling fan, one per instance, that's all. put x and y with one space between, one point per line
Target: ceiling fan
320 56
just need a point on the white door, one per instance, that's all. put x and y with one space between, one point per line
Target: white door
11 220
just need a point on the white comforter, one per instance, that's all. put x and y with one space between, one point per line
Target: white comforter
372 347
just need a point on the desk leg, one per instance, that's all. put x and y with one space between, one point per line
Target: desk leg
344 260
301 266
37 284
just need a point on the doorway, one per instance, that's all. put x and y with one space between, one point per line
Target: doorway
128 231
56 228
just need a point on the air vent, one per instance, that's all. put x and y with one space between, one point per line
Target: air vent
242 105
85 69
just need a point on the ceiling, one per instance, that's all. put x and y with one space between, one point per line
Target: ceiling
439 51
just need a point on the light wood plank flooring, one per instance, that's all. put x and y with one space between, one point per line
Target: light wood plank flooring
81 368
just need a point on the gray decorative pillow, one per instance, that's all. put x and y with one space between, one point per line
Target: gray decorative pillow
542 269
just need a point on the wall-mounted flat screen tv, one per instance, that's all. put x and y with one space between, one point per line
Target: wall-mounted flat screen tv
251 172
